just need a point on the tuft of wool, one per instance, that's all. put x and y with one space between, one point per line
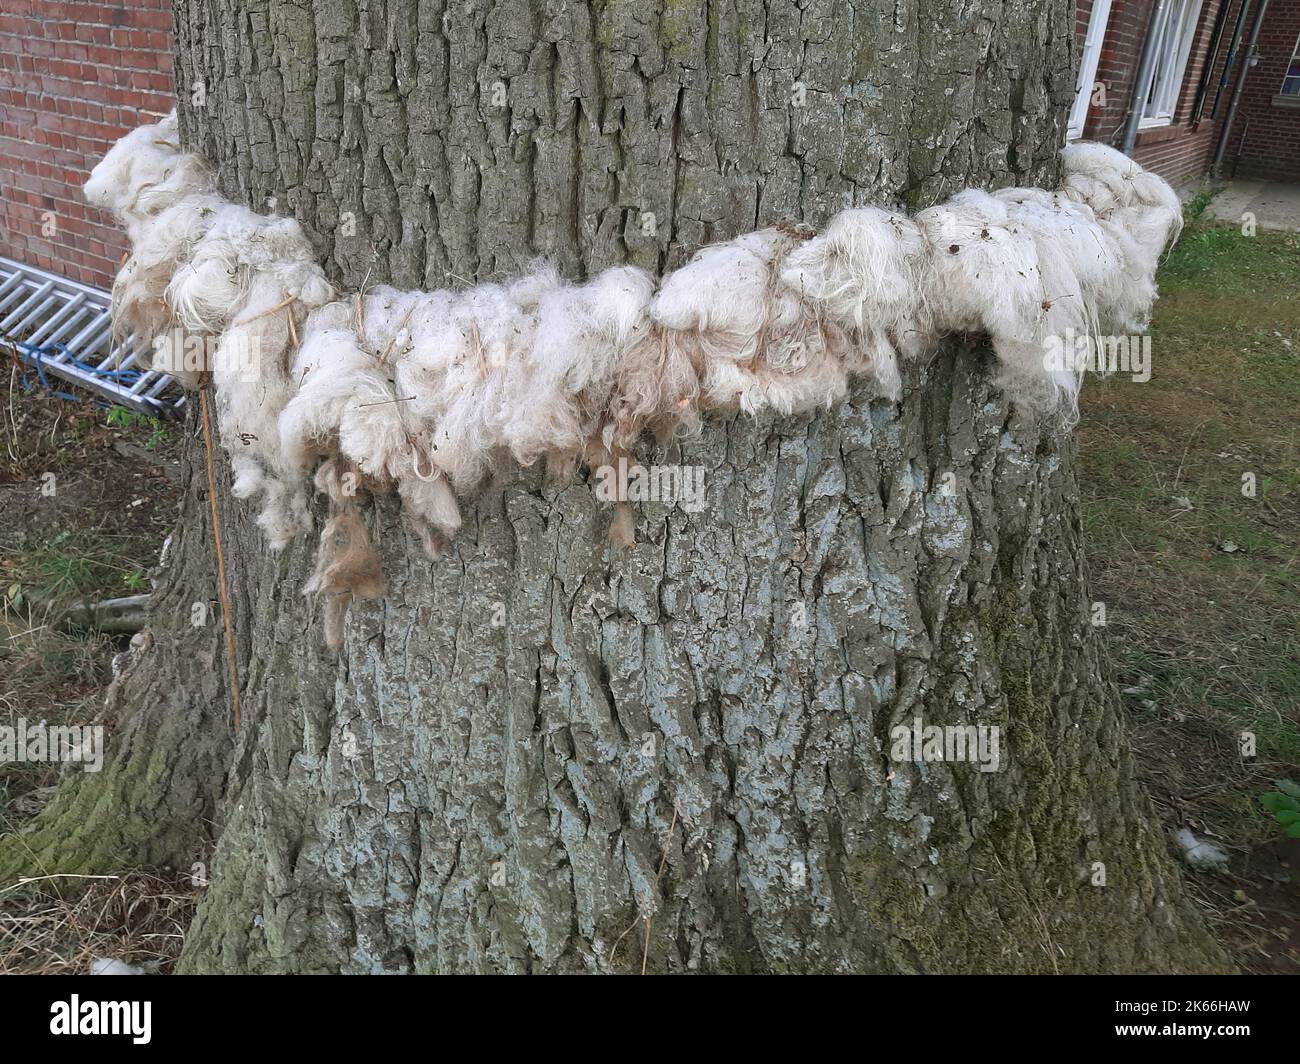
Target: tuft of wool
731 334
158 252
864 272
461 376
145 160
429 394
584 336
984 277
1074 259
214 269
347 566
112 966
346 403
1201 854
209 290
163 197
1140 216
249 280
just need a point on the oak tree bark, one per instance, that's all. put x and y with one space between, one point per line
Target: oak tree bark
545 754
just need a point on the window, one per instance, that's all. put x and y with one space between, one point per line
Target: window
1171 39
1083 89
1291 83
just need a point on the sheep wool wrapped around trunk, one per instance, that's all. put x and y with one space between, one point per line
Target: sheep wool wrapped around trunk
429 393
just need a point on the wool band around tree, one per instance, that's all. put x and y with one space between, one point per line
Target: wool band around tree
426 393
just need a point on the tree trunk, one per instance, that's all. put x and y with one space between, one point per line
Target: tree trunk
546 754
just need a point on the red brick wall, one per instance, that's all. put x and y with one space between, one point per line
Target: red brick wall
1182 149
1269 135
73 78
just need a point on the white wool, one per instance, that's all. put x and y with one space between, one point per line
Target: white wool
253 279
727 302
985 277
712 310
346 400
559 389
1121 192
337 381
1075 260
214 269
112 966
864 271
142 159
1200 853
822 381
1096 175
1067 233
204 292
458 375
187 178
428 393
208 290
734 334
722 290
161 244
1140 215
432 507
252 384
383 319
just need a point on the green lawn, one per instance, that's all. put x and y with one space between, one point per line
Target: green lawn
1202 579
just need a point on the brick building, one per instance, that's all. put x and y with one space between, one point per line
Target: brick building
1199 48
1267 131
75 76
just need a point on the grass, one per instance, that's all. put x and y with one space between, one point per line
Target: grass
84 502
73 563
95 535
1191 489
1195 207
60 925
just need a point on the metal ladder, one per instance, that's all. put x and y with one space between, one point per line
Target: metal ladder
64 329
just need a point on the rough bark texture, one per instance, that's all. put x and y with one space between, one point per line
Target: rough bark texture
545 754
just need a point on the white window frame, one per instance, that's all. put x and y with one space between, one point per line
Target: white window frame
1288 76
1172 37
1098 19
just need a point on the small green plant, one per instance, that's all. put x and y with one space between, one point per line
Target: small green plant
1284 804
135 580
131 421
1195 207
119 417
